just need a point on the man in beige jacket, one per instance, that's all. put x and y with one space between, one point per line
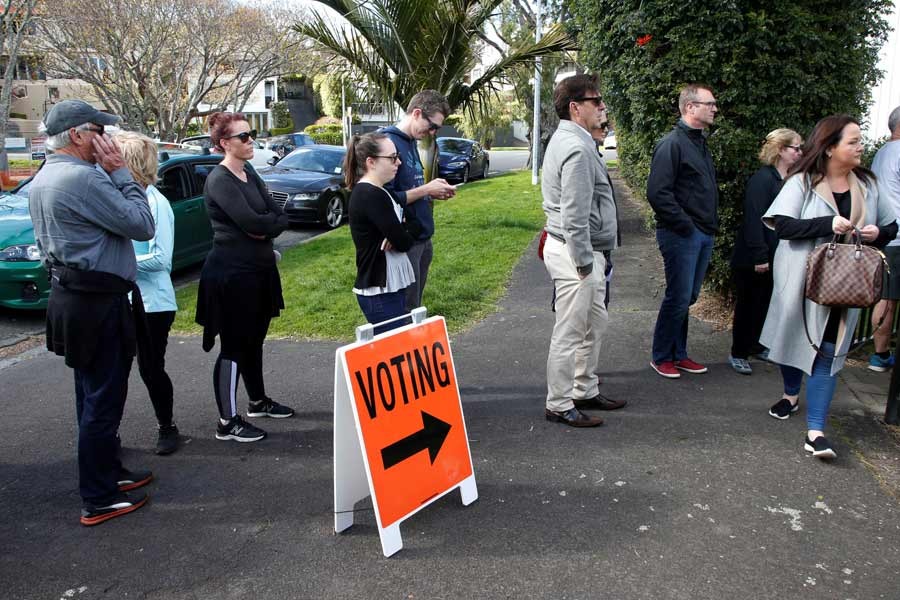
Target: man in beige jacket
581 225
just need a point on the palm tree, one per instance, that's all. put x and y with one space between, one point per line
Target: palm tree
401 47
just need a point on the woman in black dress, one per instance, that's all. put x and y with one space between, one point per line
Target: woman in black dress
240 289
754 248
383 270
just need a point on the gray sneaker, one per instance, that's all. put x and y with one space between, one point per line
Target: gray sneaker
741 365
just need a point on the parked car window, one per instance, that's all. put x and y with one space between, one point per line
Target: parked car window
201 172
454 146
173 185
312 159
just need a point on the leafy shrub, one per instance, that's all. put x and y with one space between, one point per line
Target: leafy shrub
770 63
282 116
281 130
326 134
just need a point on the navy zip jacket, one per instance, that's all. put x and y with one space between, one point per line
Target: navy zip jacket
682 185
410 175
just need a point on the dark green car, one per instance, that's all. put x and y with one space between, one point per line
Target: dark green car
23 279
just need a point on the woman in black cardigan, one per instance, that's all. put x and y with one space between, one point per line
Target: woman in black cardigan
755 245
240 289
383 270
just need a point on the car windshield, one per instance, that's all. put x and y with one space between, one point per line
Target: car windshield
454 146
311 159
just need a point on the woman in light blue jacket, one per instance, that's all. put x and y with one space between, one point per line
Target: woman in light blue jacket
154 263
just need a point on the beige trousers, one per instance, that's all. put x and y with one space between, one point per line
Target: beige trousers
581 320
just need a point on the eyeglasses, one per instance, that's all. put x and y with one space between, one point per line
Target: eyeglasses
432 126
711 103
395 158
244 136
597 100
796 148
98 130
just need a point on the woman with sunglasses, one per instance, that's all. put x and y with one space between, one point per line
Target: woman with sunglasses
383 270
240 289
754 248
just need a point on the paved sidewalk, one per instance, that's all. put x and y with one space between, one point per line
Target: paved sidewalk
691 492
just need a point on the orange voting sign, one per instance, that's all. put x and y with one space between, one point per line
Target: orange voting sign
409 426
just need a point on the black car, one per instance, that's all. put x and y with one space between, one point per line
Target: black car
461 159
309 184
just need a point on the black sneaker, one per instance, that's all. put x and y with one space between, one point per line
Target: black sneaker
269 408
820 448
167 442
131 480
94 515
783 409
239 430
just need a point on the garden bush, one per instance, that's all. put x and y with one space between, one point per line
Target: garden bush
770 64
326 134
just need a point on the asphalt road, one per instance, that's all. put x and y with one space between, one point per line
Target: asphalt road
692 492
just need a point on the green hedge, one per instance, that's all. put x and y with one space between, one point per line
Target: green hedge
770 63
326 134
281 130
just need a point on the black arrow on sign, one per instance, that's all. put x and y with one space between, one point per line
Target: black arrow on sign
430 437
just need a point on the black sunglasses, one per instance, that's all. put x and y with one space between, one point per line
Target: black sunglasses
244 136
432 126
597 100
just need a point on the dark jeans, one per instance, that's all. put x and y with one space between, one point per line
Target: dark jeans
420 256
752 292
100 392
153 370
685 260
819 387
383 307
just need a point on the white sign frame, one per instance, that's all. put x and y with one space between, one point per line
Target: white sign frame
352 476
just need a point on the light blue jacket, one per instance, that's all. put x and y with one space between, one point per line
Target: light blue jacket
154 257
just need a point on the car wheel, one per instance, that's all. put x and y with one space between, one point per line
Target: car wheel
484 171
465 175
334 212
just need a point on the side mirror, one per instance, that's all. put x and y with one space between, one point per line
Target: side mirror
273 161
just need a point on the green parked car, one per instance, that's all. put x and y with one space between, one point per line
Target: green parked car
23 279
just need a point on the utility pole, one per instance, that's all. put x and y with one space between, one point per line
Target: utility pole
344 125
536 127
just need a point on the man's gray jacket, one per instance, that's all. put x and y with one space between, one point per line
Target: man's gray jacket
578 200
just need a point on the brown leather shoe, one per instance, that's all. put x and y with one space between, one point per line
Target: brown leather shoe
599 402
572 417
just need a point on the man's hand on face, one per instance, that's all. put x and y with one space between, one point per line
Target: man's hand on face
107 153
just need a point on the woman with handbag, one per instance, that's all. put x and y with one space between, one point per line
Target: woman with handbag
827 193
754 248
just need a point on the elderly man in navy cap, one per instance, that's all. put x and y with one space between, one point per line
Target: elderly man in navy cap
84 221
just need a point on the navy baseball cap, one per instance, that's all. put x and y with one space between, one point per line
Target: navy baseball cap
72 113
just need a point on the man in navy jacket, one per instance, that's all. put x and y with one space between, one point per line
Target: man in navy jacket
424 115
683 192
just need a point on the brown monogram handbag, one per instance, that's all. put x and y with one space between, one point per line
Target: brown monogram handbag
844 276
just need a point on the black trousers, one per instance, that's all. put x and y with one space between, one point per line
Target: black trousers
100 391
153 370
240 358
752 294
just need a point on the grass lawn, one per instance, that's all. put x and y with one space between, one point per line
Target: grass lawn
480 235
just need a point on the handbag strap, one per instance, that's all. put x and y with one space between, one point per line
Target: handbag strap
848 352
